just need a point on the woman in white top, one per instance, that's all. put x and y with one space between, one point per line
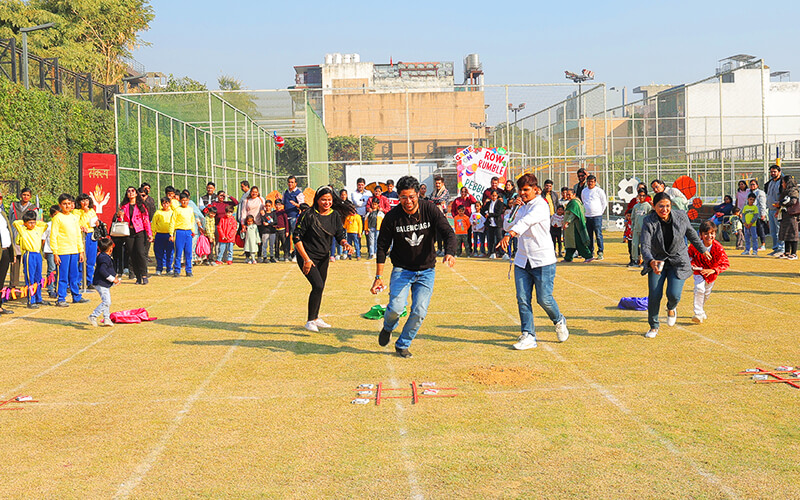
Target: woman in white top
8 256
535 261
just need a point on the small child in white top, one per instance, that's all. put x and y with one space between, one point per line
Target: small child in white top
556 228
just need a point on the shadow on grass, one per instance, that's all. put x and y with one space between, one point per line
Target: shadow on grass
58 322
227 326
296 347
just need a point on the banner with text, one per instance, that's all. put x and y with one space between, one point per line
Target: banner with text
97 177
477 166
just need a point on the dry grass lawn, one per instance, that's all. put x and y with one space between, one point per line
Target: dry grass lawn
226 395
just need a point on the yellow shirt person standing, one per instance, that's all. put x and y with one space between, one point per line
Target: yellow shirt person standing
66 242
181 230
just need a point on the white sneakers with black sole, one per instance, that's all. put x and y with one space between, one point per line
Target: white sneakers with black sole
562 332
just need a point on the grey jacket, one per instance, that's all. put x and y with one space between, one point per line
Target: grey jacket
652 241
761 202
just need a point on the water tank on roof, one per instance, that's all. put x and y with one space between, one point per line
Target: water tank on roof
356 58
347 58
472 62
337 58
328 58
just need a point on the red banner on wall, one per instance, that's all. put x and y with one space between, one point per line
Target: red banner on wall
97 177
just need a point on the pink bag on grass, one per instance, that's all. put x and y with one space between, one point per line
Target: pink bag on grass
131 316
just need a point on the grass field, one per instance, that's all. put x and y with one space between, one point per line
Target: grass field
226 395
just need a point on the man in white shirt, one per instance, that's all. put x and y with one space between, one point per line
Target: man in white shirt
535 261
359 197
595 202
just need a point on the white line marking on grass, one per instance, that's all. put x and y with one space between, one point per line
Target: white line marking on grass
770 278
610 397
84 349
411 469
141 470
6 323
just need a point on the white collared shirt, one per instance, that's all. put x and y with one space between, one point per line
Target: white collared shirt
532 225
5 233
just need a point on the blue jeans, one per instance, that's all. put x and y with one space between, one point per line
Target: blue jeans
103 310
225 252
477 242
372 242
774 225
750 238
594 225
421 285
355 241
655 283
543 279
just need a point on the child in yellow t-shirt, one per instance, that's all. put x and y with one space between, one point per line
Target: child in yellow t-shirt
749 219
29 238
66 242
354 226
162 247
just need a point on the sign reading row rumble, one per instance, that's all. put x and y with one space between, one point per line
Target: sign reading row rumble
477 166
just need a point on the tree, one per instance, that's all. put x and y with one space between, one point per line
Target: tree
227 82
92 36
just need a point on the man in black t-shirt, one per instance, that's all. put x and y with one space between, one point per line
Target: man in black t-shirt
411 229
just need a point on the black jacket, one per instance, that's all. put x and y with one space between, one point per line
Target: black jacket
496 215
104 269
413 237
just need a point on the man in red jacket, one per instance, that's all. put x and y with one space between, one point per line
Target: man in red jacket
706 271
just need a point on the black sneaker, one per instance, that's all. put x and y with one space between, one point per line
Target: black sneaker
403 353
384 337
33 306
6 311
81 301
62 303
145 280
272 260
176 275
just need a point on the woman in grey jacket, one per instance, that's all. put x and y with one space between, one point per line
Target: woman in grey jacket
666 257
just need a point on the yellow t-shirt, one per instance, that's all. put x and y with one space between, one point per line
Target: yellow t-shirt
30 240
65 234
175 203
87 220
182 218
353 224
161 221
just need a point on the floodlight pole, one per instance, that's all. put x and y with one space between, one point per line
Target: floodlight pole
25 32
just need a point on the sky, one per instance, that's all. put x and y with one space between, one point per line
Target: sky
624 43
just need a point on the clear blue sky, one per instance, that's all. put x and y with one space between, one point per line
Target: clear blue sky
625 43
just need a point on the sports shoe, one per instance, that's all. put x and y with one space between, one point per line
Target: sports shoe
219 262
321 324
311 326
762 247
82 300
651 333
599 256
333 259
505 256
62 303
229 262
774 253
189 275
746 252
93 321
671 320
755 252
562 332
384 337
403 353
145 280
525 341
108 322
272 260
697 318
176 275
158 273
492 256
791 257
590 259
33 306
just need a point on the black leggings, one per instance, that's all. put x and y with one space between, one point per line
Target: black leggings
316 276
138 258
5 261
790 247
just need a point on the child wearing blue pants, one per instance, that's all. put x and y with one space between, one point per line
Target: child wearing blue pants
181 229
162 246
29 238
87 219
66 242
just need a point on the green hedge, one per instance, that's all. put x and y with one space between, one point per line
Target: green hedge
41 135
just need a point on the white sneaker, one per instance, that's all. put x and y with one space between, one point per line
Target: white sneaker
492 256
526 341
762 247
108 322
561 330
93 321
505 256
651 333
311 327
698 318
321 324
671 320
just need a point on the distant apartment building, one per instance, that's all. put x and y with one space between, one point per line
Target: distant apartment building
415 110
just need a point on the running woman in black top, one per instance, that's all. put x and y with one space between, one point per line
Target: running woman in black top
312 237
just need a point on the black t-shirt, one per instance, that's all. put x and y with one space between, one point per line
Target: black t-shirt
413 237
666 231
317 231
